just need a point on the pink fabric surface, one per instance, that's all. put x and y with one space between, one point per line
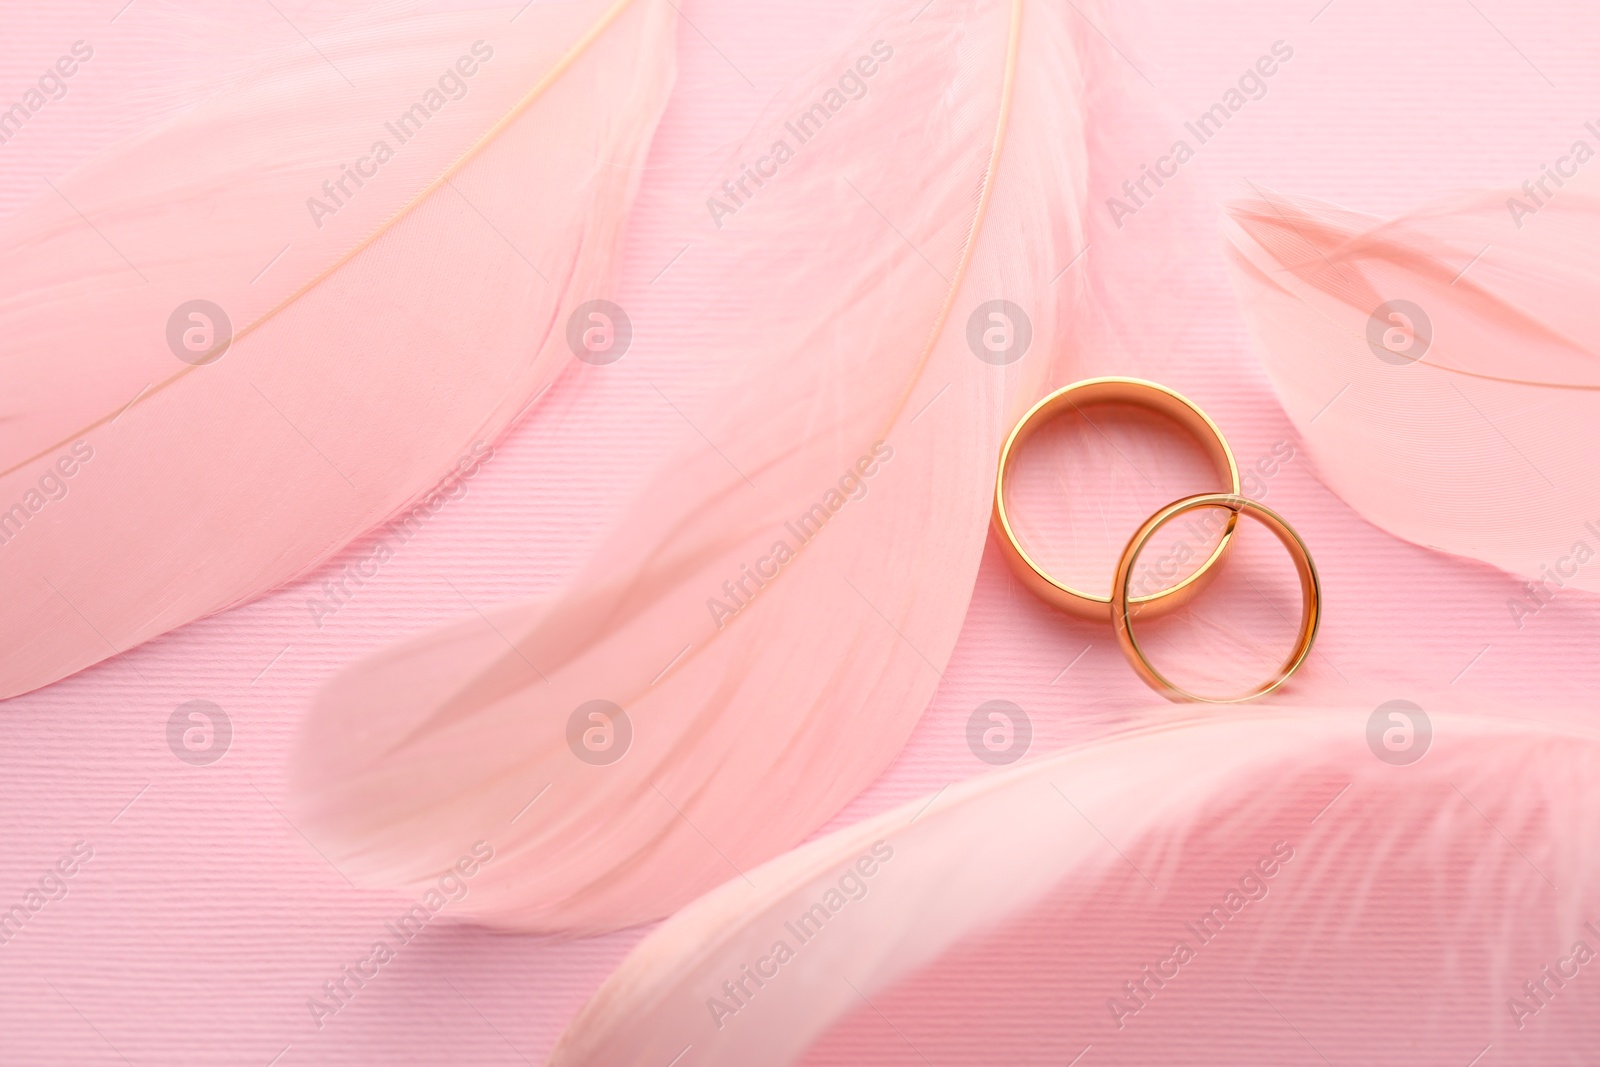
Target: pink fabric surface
204 920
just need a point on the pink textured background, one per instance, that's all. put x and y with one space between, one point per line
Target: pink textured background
205 920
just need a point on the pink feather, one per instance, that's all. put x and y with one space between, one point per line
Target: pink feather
863 439
1238 888
390 309
1449 419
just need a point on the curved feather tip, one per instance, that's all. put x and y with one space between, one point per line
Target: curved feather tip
1440 365
236 343
1331 887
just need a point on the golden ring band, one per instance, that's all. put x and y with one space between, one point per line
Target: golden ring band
1310 594
1095 392
1120 608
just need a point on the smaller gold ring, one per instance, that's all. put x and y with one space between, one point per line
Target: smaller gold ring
1135 392
1310 594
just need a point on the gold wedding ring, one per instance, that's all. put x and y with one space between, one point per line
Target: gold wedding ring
1310 594
1094 392
1121 608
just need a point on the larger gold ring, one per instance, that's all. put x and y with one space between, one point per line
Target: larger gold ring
1096 391
1310 594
